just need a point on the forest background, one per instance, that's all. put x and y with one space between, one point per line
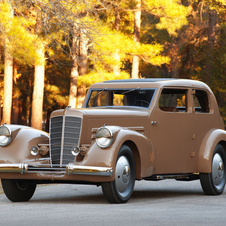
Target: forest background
52 51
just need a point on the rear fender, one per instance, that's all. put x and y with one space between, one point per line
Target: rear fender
23 138
210 141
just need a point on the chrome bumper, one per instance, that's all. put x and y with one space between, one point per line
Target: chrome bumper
69 169
14 168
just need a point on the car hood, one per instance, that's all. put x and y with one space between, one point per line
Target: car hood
92 119
103 112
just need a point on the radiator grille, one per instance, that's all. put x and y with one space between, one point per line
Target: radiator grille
67 130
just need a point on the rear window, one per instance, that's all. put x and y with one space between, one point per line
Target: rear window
201 103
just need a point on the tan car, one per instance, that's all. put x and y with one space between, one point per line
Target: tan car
127 130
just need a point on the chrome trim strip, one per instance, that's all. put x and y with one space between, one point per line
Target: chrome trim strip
43 144
80 130
69 169
89 170
62 141
136 128
14 168
40 159
50 146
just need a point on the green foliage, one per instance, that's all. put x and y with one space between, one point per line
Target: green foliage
168 15
173 42
191 51
21 43
108 42
55 97
172 14
94 77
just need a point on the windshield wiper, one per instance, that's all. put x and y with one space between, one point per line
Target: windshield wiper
98 93
131 90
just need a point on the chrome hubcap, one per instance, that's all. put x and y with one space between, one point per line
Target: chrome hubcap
122 174
126 174
217 169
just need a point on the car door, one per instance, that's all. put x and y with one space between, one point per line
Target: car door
205 118
171 132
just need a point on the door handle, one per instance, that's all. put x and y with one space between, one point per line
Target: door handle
154 122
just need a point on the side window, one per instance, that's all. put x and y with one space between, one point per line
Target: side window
201 103
173 100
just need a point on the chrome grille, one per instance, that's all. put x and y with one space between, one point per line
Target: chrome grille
56 125
64 134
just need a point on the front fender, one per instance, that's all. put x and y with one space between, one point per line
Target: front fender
210 141
106 157
23 138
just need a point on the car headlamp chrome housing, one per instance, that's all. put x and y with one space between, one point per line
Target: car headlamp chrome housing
104 137
5 135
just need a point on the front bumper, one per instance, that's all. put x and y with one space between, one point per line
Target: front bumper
68 169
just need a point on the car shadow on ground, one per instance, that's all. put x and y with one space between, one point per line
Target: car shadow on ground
87 194
137 196
160 194
96 196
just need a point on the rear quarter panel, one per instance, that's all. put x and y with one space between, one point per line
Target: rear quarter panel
210 141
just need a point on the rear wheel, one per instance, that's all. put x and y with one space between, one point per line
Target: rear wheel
18 190
213 183
120 190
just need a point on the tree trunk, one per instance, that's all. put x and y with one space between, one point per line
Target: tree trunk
74 72
83 52
39 77
81 96
8 87
83 60
0 110
136 37
23 110
15 100
38 92
116 68
8 77
15 111
116 55
211 41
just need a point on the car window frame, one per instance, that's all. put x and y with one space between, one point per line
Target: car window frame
187 92
114 106
208 98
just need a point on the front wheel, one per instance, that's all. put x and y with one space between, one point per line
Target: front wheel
213 183
18 190
120 190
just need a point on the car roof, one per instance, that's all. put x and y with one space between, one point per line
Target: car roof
150 83
140 80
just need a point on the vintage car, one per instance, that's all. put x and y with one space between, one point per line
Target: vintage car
127 130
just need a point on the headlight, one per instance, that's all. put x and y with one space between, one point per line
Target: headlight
34 150
104 137
5 135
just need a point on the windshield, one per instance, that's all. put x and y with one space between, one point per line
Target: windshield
121 97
